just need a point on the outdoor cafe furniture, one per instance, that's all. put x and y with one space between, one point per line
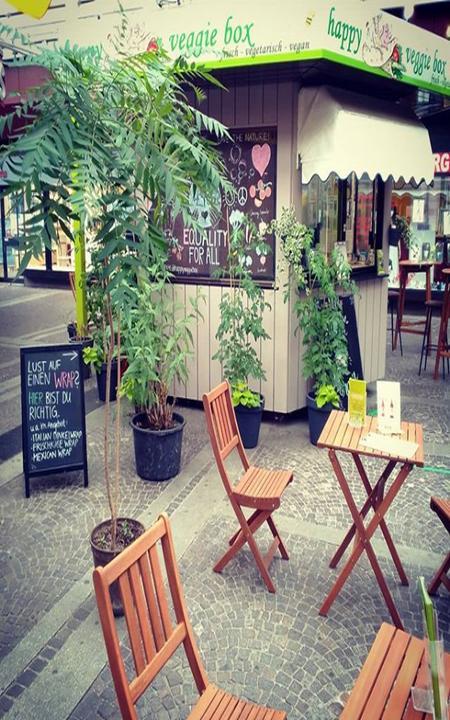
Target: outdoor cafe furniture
405 268
157 622
396 662
442 509
338 435
393 300
443 349
258 489
427 344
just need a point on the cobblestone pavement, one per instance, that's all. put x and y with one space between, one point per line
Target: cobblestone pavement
297 660
273 649
45 538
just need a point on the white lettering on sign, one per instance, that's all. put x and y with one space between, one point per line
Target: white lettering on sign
442 162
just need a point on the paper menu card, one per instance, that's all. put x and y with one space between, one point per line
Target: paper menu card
388 407
392 445
356 402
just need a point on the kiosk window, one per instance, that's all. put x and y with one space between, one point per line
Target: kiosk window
345 212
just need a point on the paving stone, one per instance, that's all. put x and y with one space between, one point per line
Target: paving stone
5 703
26 678
15 690
38 664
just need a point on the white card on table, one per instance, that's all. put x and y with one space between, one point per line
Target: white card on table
388 405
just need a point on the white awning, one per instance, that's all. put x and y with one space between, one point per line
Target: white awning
344 132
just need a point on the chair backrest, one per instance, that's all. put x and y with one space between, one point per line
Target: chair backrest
223 430
155 614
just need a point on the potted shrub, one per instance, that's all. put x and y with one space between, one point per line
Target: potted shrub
319 280
158 343
109 136
241 326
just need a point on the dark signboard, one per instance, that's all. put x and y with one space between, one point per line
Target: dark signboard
53 418
250 159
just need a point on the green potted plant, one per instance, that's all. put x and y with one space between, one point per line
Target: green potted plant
157 346
241 326
401 236
108 136
319 279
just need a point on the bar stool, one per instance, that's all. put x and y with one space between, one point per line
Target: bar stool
406 267
443 348
393 299
427 345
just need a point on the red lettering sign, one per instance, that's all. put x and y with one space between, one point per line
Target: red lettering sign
442 163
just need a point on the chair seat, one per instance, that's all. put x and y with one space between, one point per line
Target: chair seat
434 303
262 488
393 294
442 509
215 704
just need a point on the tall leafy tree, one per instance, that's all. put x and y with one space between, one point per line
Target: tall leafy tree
110 151
108 137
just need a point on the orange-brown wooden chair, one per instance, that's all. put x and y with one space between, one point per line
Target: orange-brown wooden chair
157 623
442 510
258 488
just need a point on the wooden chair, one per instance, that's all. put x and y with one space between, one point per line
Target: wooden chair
156 629
442 510
259 489
396 662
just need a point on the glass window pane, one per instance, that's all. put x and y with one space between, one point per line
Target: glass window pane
320 210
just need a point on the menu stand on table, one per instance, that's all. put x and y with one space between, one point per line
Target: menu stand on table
338 435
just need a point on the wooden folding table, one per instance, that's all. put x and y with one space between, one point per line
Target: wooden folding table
339 435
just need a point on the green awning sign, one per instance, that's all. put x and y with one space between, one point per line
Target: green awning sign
236 33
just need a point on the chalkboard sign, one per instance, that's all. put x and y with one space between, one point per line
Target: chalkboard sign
354 353
53 417
250 160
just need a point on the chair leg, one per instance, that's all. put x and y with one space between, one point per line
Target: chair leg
391 310
245 535
400 333
440 577
276 535
425 340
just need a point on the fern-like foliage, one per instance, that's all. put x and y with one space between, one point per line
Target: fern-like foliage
107 137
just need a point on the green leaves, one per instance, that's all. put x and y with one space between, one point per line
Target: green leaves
242 395
108 136
241 326
327 394
319 280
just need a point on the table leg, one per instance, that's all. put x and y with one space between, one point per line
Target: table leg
428 284
370 502
365 534
378 499
403 276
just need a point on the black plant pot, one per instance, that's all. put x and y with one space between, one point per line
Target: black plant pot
101 382
157 452
103 556
85 342
317 417
249 423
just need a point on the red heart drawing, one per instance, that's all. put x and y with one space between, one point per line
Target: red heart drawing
261 157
